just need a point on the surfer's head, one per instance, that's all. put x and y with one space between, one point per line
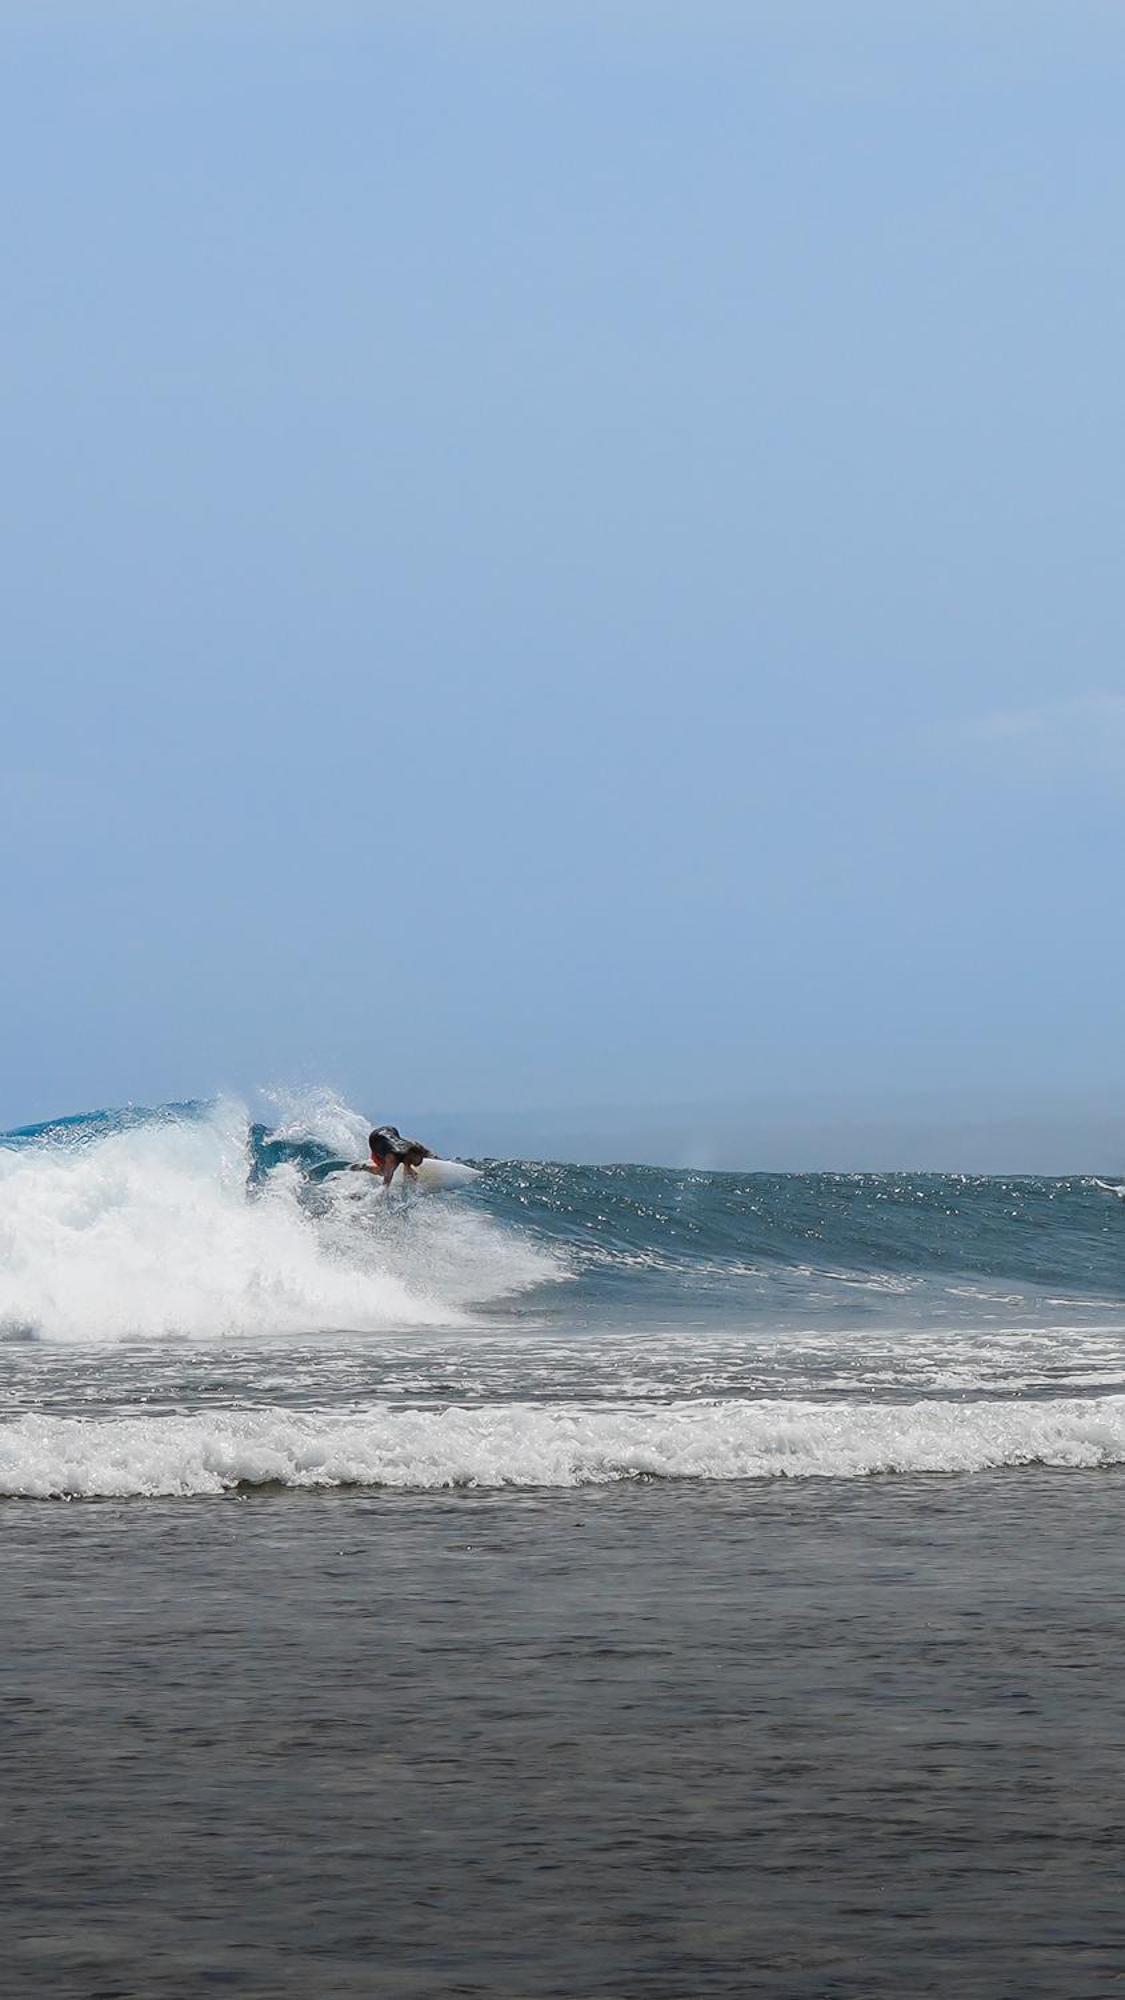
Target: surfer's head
387 1143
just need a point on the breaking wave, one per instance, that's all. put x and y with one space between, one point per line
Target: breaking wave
132 1225
194 1302
532 1445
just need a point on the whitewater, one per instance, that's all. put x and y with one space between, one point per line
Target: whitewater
191 1306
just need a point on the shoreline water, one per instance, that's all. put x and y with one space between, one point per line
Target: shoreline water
848 1739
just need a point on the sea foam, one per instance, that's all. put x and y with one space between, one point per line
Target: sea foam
559 1445
155 1228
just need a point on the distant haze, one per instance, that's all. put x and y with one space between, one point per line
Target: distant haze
779 1138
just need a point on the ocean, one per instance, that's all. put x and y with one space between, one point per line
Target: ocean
602 1581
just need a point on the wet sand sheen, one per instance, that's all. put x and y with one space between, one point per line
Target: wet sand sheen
833 1739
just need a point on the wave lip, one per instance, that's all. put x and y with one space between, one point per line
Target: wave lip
535 1445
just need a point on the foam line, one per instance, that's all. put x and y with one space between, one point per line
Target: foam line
557 1445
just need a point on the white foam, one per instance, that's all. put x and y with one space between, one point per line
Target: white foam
312 1111
535 1445
154 1231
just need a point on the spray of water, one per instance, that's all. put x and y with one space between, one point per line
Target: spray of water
157 1228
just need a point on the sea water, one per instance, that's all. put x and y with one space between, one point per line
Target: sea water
601 1584
186 1308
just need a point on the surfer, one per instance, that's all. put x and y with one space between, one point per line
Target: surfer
389 1151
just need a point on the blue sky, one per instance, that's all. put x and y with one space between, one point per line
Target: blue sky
563 554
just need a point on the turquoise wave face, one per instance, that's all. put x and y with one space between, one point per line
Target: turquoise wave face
81 1126
1063 1232
618 1241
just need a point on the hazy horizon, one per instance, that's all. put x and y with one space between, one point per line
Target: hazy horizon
771 1135
772 1138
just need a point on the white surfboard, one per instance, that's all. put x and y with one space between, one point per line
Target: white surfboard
437 1176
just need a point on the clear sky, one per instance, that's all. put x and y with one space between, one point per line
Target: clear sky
563 552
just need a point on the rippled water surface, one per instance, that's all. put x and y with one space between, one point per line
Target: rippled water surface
855 1739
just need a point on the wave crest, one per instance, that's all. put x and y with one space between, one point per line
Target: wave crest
157 1226
558 1445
